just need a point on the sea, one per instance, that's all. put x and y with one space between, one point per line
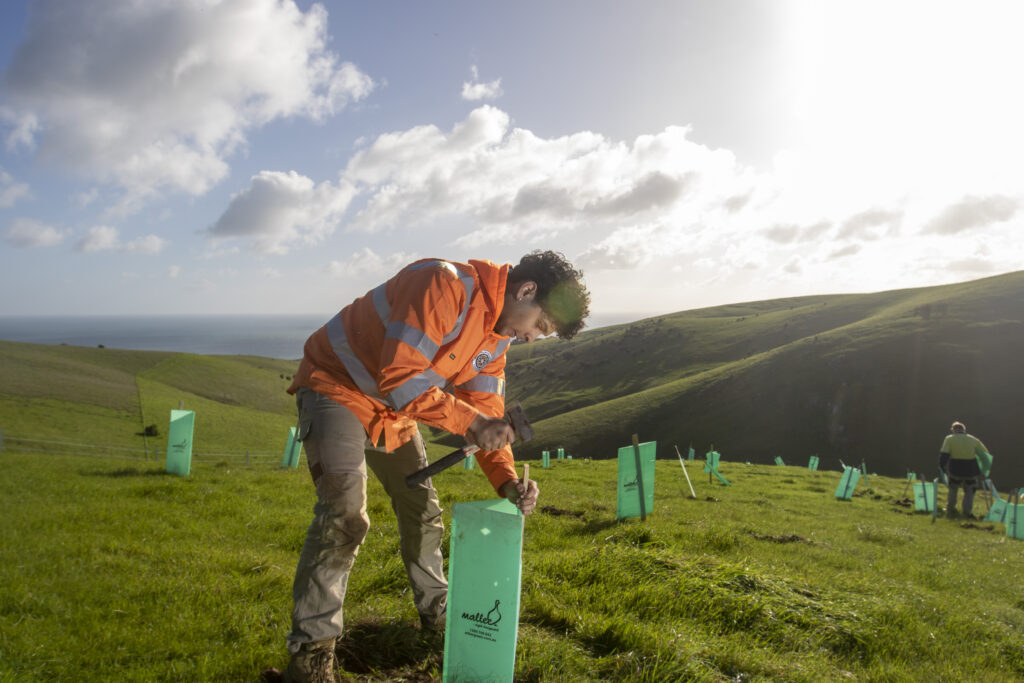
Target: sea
271 336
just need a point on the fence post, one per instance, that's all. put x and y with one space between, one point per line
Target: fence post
246 456
1 440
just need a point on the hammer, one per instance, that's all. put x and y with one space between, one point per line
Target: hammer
516 417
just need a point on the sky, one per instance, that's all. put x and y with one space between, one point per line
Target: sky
271 156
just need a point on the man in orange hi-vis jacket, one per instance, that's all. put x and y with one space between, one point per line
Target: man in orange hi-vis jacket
426 346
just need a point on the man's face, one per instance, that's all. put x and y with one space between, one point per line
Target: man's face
521 317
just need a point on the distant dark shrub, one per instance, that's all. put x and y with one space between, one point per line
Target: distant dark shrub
100 346
151 430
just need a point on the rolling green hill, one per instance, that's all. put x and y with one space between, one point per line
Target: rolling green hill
875 377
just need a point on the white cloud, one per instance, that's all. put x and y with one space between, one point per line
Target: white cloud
973 212
85 198
157 95
476 90
484 171
280 209
105 238
25 232
173 272
23 127
98 238
11 191
367 262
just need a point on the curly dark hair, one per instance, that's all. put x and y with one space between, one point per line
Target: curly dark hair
560 289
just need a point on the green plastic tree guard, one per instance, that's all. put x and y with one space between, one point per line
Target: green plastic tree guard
847 484
561 454
630 502
484 575
467 463
545 457
924 496
779 461
812 464
984 459
711 460
291 450
1015 518
179 442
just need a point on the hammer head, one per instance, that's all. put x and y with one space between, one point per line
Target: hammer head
517 418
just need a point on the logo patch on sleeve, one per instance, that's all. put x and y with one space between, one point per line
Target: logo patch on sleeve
452 356
482 359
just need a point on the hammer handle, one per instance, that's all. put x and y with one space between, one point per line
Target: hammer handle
453 458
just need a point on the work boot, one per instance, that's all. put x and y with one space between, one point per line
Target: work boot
433 623
313 663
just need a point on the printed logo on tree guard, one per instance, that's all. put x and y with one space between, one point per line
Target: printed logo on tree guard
490 619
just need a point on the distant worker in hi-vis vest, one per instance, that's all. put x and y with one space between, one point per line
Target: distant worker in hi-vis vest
427 346
957 459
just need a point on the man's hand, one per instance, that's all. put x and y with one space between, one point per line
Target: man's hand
525 500
490 433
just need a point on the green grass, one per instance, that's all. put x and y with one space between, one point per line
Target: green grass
117 571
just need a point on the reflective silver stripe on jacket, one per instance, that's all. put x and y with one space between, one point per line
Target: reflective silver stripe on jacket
355 367
408 390
486 384
415 338
401 395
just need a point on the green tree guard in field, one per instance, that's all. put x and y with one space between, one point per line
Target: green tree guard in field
812 464
690 454
292 450
484 575
924 496
779 461
712 458
847 484
984 459
636 481
561 454
1015 518
179 442
467 463
545 459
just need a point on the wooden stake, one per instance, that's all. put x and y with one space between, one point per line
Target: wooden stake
640 478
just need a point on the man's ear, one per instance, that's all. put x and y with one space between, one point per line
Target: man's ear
526 291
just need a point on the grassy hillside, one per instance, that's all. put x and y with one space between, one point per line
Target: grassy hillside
874 377
108 396
116 572
877 377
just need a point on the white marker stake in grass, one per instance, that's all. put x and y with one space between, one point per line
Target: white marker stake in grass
683 465
179 442
484 574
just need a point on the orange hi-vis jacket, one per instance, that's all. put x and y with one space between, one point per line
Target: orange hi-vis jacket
419 348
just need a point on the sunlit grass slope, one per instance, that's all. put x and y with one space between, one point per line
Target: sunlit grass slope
875 377
108 396
116 571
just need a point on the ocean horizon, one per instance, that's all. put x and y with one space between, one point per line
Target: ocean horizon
268 335
271 336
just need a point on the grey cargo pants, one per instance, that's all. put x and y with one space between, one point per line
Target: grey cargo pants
338 450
